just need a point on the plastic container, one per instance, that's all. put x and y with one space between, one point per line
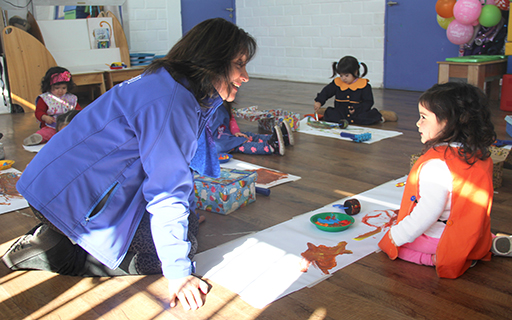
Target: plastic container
506 93
508 119
476 58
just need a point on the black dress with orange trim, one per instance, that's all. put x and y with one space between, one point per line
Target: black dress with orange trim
357 96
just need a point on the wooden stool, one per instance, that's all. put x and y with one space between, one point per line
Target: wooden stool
476 73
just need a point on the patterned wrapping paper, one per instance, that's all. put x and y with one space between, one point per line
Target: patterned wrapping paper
268 118
232 190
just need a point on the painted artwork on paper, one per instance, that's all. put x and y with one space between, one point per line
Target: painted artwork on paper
378 219
322 257
10 199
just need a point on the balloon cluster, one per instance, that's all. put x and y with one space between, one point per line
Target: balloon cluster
462 19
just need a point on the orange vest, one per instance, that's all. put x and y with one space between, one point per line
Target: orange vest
467 235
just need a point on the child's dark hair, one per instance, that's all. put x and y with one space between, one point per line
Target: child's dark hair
64 119
348 64
465 108
46 84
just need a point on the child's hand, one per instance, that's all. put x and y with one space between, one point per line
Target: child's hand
241 134
317 106
48 119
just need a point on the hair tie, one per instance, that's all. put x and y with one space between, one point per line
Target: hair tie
60 77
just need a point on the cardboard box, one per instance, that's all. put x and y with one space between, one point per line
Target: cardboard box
232 190
498 156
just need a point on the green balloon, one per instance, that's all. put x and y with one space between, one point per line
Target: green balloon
490 15
444 22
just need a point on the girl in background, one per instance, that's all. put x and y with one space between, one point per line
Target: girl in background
228 137
444 218
353 96
54 101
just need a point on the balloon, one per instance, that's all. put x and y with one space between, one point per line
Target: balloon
467 11
443 22
483 2
490 15
444 8
459 33
502 4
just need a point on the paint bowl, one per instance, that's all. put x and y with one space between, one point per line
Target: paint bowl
224 157
6 164
332 221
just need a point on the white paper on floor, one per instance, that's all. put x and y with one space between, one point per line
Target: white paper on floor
9 202
377 134
242 165
265 266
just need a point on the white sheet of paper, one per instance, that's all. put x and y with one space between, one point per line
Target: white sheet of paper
35 148
265 266
377 134
8 203
242 165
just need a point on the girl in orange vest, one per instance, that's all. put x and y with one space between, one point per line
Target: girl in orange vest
444 218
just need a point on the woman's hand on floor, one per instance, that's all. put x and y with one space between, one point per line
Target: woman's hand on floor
189 290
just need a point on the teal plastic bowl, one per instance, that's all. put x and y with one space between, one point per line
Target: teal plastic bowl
332 221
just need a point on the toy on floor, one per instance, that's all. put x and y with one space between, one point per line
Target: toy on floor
224 157
357 137
501 143
326 125
351 206
263 191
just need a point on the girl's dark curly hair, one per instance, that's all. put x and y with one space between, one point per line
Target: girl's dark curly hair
348 64
45 82
465 108
203 57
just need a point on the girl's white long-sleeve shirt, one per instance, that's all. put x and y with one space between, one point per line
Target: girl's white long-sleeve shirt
434 204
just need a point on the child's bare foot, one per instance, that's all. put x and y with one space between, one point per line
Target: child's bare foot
201 218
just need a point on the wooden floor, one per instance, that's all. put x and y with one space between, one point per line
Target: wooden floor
331 169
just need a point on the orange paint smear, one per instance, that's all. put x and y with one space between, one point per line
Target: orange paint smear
386 217
368 234
323 257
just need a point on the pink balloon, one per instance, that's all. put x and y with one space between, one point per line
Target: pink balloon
467 11
459 33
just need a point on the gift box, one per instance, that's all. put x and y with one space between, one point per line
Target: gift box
498 156
232 190
267 119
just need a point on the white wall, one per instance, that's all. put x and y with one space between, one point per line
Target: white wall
151 26
299 39
154 26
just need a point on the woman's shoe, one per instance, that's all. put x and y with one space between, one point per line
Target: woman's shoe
38 249
502 246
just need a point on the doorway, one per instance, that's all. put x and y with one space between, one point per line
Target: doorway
190 15
413 44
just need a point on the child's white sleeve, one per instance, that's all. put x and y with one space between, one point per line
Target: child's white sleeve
435 187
